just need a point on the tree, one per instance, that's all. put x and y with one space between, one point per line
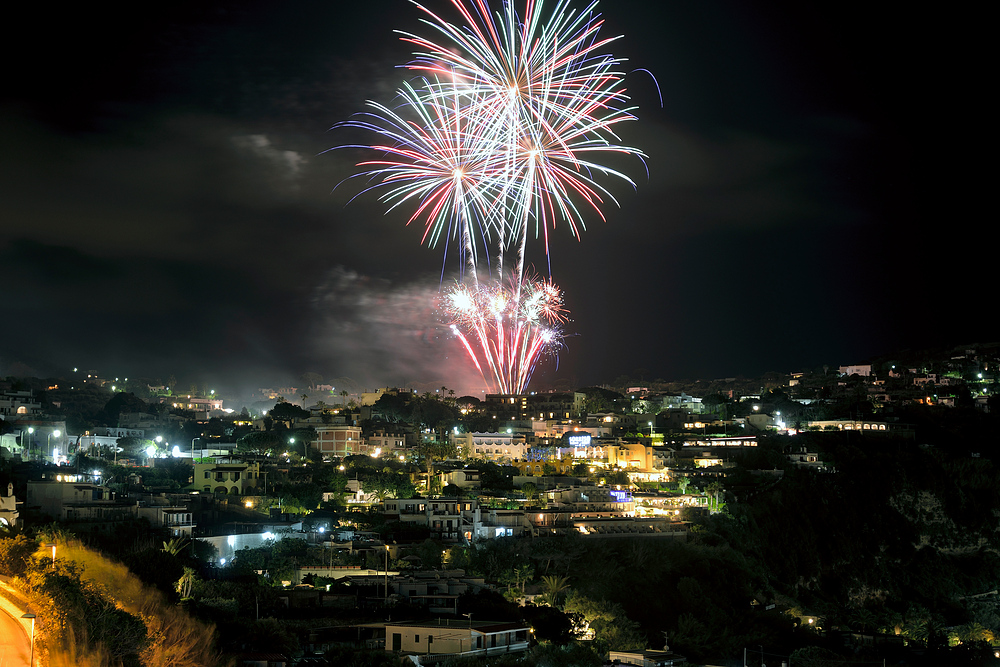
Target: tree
259 443
15 555
311 379
518 576
553 587
132 446
612 628
175 546
287 412
713 490
391 407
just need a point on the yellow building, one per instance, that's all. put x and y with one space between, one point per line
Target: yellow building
227 477
536 468
631 456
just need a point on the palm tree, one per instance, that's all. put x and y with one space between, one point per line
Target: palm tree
175 546
683 483
713 490
554 586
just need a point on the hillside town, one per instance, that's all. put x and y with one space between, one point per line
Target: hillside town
431 526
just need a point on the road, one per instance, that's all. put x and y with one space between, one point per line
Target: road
15 646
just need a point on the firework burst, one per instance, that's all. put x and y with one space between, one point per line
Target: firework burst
506 328
503 131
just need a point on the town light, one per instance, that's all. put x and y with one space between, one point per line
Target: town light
48 442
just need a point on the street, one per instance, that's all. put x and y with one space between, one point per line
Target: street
15 646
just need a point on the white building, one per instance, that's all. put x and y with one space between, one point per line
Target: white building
8 508
455 637
491 446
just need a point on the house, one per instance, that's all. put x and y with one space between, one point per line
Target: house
162 513
449 519
438 591
18 404
463 478
387 444
8 508
261 659
647 658
631 455
498 522
422 641
226 475
76 497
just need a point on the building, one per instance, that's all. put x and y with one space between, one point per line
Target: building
18 404
438 590
502 447
77 497
8 508
632 456
846 425
449 519
387 444
338 440
226 476
161 513
462 478
683 402
199 404
647 658
459 638
498 522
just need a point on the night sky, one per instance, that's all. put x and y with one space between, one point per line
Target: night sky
167 207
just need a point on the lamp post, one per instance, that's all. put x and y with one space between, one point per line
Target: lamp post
31 661
48 440
24 445
192 448
53 545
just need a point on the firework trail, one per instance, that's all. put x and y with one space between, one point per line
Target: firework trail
502 131
505 328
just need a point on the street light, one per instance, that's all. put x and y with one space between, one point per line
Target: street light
31 430
26 615
48 440
53 545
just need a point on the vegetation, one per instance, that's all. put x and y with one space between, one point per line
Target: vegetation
93 612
